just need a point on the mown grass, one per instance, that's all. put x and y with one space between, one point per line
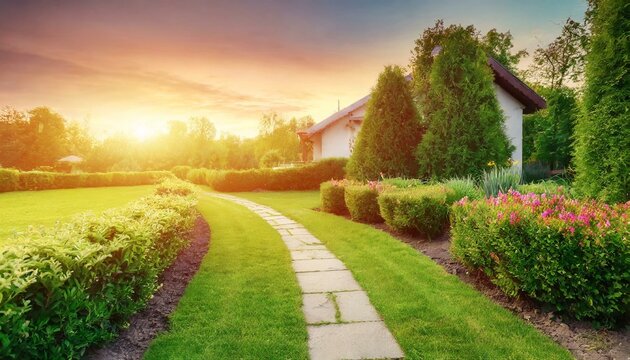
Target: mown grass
20 209
244 303
432 314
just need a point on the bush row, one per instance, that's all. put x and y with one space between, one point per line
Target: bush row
332 196
306 177
362 201
574 255
69 287
13 180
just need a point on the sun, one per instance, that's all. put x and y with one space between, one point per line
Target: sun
143 132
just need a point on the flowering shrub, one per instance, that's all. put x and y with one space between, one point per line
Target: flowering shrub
174 186
362 203
574 255
332 196
64 289
421 210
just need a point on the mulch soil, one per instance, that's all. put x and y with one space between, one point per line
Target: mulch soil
580 338
147 324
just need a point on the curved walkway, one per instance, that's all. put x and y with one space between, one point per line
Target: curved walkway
342 323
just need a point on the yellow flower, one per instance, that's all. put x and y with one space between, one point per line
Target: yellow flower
491 163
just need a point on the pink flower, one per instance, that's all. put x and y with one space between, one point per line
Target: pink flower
500 215
546 213
513 218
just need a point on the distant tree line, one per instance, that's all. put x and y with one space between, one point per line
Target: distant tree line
38 138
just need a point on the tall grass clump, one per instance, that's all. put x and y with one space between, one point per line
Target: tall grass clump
464 187
500 180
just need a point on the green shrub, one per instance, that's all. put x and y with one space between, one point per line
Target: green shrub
535 171
181 171
362 202
464 187
500 180
9 180
543 187
67 288
171 186
307 177
332 195
423 210
403 183
571 254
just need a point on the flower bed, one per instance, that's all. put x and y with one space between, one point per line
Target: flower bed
69 287
571 254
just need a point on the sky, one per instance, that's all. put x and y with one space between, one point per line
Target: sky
130 66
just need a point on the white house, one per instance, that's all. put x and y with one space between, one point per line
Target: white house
335 135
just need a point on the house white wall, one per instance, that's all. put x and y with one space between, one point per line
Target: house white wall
335 140
513 111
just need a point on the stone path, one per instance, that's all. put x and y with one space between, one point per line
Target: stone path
342 323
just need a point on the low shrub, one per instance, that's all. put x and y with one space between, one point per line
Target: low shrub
499 180
9 180
181 171
332 195
13 180
69 287
464 187
544 187
198 176
169 186
571 254
362 201
307 177
423 210
403 183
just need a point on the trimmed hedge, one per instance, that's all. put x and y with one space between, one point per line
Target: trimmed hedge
422 210
70 287
571 254
362 202
13 180
306 177
332 195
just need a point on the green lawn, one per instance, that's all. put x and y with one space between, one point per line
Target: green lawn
20 209
431 313
244 303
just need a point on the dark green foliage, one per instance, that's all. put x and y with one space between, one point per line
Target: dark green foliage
67 288
423 210
602 155
40 180
573 255
390 131
9 180
307 177
332 196
465 123
362 202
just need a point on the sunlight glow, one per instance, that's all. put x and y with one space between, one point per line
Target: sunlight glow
143 132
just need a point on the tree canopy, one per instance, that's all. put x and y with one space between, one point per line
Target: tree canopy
390 131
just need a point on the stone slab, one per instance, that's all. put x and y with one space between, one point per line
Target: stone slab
307 239
366 340
327 281
299 231
356 306
318 308
318 265
311 254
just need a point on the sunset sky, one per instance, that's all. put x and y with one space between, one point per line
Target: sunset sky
128 65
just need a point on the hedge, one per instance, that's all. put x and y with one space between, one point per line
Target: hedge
70 287
422 210
571 254
332 196
306 177
362 202
13 180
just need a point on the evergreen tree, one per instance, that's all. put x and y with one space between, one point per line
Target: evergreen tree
465 123
603 131
390 131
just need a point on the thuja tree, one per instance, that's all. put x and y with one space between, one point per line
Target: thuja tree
602 154
390 131
465 123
